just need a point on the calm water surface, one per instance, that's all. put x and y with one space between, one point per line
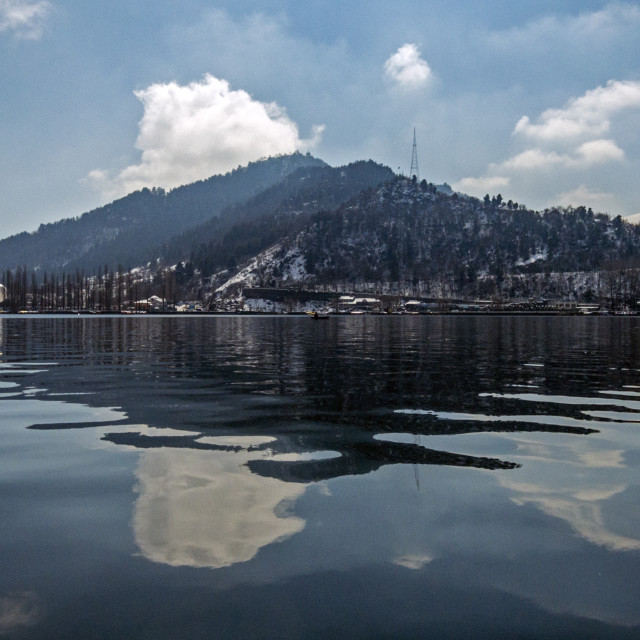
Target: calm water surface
277 477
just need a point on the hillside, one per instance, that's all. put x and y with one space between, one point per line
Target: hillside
244 230
129 230
411 234
294 221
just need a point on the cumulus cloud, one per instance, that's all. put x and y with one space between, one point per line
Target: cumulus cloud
407 69
24 19
589 115
587 29
562 142
413 561
487 184
531 159
585 196
191 132
634 218
599 151
589 153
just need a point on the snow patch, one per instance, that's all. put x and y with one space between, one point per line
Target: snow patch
268 267
272 306
534 258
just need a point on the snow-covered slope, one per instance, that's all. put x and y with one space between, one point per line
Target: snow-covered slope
407 235
276 266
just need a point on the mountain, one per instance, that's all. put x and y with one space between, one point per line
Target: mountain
404 235
294 220
244 230
129 230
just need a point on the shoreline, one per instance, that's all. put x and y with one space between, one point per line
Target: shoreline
475 313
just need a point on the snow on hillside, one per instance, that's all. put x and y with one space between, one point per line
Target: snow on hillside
285 265
272 306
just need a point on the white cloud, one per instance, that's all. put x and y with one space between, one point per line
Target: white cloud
413 561
562 143
480 186
586 116
191 132
586 30
584 196
599 151
634 218
587 154
532 159
24 19
407 68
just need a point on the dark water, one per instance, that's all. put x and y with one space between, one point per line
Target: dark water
363 477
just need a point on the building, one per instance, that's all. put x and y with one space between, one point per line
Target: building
351 304
154 303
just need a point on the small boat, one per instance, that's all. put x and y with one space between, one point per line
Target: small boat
318 316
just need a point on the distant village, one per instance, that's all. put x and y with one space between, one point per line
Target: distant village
299 301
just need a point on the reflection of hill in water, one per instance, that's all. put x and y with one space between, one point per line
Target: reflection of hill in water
359 445
324 400
322 386
354 457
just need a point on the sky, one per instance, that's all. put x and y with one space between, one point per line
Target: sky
537 100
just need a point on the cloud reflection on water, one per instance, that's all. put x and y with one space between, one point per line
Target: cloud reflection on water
557 485
551 474
582 511
206 509
18 610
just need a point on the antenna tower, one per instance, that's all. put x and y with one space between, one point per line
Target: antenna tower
414 158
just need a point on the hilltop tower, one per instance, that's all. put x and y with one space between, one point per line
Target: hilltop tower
414 159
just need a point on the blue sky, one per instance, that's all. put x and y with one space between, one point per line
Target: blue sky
537 100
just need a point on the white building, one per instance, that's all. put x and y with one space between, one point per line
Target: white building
3 293
351 304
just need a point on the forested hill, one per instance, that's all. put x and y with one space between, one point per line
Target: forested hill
295 219
127 230
408 232
246 229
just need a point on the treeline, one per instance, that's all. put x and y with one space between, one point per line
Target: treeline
414 239
405 231
103 291
282 211
131 230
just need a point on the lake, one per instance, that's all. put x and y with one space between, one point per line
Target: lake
357 477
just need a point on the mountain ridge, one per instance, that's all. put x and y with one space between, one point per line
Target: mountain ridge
417 238
294 220
128 229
